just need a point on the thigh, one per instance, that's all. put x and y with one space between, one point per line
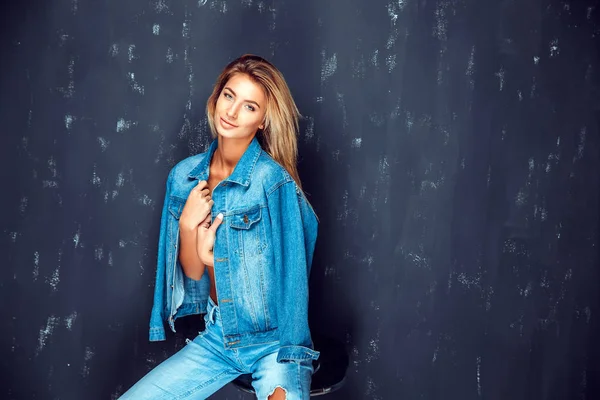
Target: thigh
294 378
194 372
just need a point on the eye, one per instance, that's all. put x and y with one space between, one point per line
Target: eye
249 107
227 96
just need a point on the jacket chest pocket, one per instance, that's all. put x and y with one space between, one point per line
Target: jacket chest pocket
248 226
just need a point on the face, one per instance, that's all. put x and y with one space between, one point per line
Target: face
240 109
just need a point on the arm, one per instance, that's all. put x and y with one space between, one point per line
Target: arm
195 212
294 233
193 268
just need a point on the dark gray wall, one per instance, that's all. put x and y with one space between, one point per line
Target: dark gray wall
450 147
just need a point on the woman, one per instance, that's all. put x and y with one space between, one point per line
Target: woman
247 268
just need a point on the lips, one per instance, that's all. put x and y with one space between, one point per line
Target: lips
227 125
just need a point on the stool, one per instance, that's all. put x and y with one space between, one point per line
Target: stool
330 368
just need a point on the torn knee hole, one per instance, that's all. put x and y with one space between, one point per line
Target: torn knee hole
278 393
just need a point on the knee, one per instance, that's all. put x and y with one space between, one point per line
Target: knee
278 394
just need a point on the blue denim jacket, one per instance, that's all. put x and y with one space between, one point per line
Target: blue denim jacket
262 255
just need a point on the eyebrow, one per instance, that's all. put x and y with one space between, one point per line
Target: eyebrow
248 101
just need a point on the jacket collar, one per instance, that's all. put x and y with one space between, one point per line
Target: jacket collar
241 173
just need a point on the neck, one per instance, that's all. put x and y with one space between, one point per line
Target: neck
228 153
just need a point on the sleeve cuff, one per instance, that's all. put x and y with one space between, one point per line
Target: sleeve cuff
296 353
157 334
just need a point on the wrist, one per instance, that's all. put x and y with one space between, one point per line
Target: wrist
186 227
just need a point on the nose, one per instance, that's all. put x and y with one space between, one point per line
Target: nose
232 112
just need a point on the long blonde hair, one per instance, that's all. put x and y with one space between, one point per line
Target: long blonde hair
279 136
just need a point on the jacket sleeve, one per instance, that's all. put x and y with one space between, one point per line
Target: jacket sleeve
294 233
157 316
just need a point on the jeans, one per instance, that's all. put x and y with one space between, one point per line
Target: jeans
204 366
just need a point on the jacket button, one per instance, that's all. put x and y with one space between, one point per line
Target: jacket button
245 219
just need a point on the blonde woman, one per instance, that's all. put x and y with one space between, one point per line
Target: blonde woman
236 244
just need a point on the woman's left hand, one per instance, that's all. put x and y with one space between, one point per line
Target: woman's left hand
206 239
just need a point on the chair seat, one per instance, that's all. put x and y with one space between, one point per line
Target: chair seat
330 368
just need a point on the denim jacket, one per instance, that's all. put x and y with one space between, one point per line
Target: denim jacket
262 255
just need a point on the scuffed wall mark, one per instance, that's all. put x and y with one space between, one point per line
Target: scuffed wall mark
46 332
470 72
114 50
103 143
500 75
54 279
309 132
98 253
52 166
119 391
390 62
134 84
540 212
69 121
469 282
247 3
261 6
49 184
355 356
377 119
356 143
440 30
23 205
479 376
359 69
373 348
110 259
272 23
69 91
581 145
77 238
36 265
160 6
371 389
532 92
145 200
335 154
169 55
392 39
120 181
375 58
328 66
202 3
131 53
87 357
96 181
220 6
185 30
342 104
70 320
554 49
156 29
536 60
74 6
589 12
123 125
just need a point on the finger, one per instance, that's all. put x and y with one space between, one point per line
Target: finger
205 192
207 219
201 185
216 222
210 203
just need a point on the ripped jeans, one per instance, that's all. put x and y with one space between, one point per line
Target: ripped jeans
204 366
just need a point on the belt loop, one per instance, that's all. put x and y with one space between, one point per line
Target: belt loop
211 315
